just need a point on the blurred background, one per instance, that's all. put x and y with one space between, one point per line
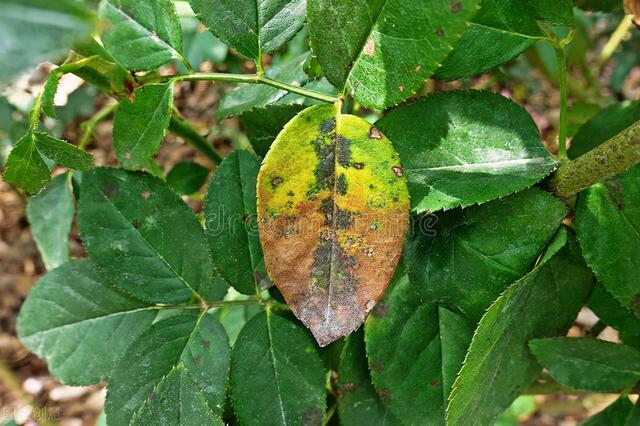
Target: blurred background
604 67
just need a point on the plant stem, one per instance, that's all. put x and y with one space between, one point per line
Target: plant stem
252 79
183 129
604 161
562 125
90 125
615 40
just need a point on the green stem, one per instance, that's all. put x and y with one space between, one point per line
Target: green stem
562 125
615 40
604 161
183 129
90 125
252 79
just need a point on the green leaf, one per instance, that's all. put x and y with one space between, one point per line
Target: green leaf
611 312
49 94
140 126
230 215
276 374
464 259
145 237
332 215
189 340
615 414
252 27
62 152
50 215
603 126
58 23
263 125
502 30
465 147
141 35
249 97
359 404
79 324
99 69
608 228
382 51
177 401
25 167
588 364
542 304
187 177
415 350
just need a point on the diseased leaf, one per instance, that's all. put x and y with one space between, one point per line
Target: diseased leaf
415 350
502 30
607 123
80 341
252 27
141 34
145 237
358 402
27 169
177 401
276 374
588 364
382 51
542 304
59 24
140 126
262 125
464 259
187 177
333 211
50 215
608 228
615 414
189 340
465 147
230 215
249 97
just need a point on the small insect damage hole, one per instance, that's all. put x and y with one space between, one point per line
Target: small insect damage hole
374 133
397 170
276 181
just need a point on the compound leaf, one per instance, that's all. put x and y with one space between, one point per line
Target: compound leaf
382 51
464 259
332 212
50 215
465 147
542 304
230 215
588 364
608 228
145 237
140 126
79 324
193 341
141 35
252 27
276 373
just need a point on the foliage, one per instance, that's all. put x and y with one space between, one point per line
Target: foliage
429 252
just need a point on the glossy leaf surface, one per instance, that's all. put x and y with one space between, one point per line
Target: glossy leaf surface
465 147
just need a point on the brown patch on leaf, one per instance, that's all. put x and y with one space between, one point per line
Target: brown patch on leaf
380 310
456 7
434 384
385 396
440 32
374 133
377 367
146 195
276 181
397 170
369 48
